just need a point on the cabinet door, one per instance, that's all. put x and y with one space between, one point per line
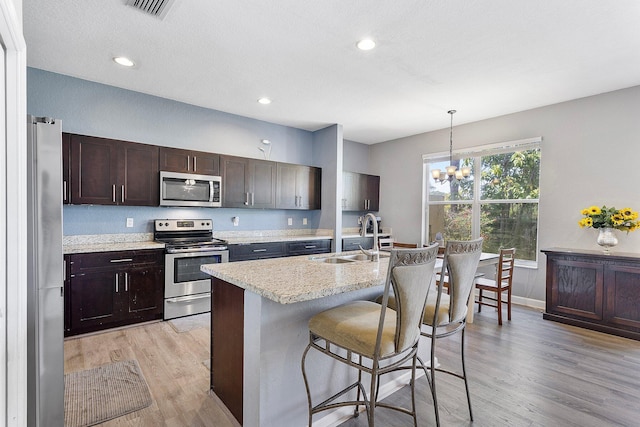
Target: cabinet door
298 187
286 191
143 297
622 296
94 300
235 181
577 288
139 180
309 188
66 168
94 170
205 163
351 192
372 195
175 160
188 161
262 184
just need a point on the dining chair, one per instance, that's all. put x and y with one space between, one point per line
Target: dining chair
502 283
374 338
446 314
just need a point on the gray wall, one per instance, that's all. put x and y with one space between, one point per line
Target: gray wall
100 110
589 156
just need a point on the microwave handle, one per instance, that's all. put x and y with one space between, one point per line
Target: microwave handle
210 191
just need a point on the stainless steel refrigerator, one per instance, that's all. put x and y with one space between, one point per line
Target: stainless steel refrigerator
45 273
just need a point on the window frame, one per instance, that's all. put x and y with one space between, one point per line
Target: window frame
476 153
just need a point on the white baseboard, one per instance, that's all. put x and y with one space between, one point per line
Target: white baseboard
528 302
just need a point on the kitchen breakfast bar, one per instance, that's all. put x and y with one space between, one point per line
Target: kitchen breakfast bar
259 315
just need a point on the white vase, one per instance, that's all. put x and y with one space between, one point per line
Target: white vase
607 238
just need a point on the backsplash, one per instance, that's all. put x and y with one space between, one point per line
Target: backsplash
94 219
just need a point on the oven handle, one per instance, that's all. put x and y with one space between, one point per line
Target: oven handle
187 298
190 250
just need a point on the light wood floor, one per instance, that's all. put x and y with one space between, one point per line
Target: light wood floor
528 372
172 364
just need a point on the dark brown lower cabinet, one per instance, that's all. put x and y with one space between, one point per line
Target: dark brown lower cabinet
109 289
593 290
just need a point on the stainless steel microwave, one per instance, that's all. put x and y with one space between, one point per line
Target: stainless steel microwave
187 189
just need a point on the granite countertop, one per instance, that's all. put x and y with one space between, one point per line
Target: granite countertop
110 247
301 278
356 235
269 239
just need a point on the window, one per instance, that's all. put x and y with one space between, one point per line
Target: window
499 201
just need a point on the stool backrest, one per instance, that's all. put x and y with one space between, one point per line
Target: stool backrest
461 259
409 275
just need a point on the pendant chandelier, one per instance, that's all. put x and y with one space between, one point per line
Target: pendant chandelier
451 172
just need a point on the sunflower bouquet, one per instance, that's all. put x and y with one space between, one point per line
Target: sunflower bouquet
624 219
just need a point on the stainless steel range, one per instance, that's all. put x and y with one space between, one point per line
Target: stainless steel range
189 244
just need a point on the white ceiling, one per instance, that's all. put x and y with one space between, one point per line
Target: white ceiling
483 58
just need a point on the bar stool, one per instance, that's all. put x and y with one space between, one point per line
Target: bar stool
446 313
373 338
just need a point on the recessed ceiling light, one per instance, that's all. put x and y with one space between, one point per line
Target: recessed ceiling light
264 101
366 44
124 61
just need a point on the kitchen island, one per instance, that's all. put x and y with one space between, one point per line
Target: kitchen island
260 311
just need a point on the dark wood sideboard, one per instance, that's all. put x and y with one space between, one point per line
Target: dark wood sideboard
594 291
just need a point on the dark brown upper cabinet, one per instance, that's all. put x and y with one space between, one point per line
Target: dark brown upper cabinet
189 161
248 183
298 187
112 172
66 168
360 192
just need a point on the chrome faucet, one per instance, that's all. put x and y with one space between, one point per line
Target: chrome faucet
374 254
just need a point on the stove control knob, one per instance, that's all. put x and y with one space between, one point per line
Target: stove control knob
166 224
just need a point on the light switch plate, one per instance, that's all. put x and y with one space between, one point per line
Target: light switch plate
236 221
304 221
129 222
290 221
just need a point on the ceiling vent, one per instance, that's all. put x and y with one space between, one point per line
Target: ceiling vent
157 8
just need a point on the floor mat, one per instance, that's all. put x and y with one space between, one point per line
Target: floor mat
100 394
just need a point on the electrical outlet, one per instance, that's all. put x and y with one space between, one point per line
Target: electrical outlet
290 221
236 221
129 222
304 221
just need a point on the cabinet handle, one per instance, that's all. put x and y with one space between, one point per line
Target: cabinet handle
195 164
117 283
122 193
310 246
122 260
188 163
126 282
259 250
252 198
246 199
64 190
113 193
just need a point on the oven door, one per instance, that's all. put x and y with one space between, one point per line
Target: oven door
188 290
182 272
